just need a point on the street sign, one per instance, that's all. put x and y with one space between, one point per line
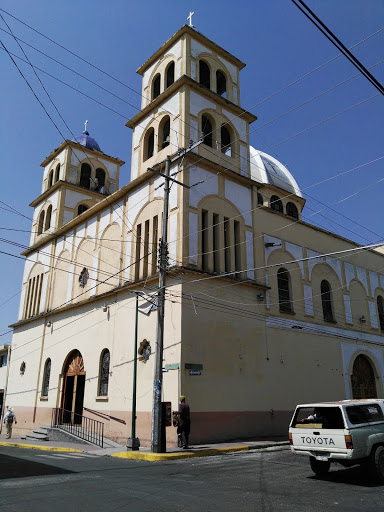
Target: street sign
194 372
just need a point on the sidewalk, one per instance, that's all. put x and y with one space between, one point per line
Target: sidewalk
144 453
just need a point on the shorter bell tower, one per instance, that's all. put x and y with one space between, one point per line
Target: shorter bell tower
77 175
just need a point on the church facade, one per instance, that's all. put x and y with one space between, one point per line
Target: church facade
262 311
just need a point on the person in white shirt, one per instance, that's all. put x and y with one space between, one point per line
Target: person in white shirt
9 420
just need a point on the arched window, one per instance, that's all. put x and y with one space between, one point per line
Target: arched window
170 74
149 144
100 180
104 373
221 84
226 141
276 204
81 209
326 301
47 374
40 225
48 218
85 176
205 74
260 200
283 286
57 174
164 132
380 309
156 87
292 210
50 180
207 130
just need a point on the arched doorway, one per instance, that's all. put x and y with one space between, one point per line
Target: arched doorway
72 397
363 378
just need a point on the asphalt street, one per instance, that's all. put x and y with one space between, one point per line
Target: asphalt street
262 481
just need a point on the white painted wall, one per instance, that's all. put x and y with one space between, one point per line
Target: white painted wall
172 246
249 250
209 187
239 124
193 238
67 216
199 103
241 197
111 168
105 220
372 314
349 273
172 105
308 301
118 214
297 253
230 67
374 282
197 48
348 310
72 198
135 203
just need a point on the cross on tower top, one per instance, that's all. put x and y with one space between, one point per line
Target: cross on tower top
190 18
85 126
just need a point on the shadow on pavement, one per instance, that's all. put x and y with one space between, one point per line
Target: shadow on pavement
351 476
15 467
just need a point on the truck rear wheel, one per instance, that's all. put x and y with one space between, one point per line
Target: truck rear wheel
319 467
377 463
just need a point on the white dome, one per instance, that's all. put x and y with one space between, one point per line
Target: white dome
268 170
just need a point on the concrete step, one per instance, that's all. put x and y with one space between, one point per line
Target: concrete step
35 435
41 430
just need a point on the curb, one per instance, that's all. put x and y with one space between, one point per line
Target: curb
44 448
152 457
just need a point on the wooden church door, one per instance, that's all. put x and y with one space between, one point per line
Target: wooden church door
363 378
73 388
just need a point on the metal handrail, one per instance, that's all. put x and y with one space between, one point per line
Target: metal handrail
78 425
103 415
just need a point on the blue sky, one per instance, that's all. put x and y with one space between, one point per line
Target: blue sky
275 40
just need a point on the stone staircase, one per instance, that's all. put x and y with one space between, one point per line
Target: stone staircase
56 434
39 434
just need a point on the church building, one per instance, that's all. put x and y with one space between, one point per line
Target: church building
262 310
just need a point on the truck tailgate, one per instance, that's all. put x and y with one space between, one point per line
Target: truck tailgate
319 440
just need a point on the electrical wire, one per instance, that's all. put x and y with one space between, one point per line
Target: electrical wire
339 45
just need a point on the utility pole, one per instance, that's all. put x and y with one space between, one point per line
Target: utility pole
156 437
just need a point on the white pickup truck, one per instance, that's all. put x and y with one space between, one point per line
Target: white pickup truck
348 432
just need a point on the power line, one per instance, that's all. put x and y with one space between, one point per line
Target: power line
339 45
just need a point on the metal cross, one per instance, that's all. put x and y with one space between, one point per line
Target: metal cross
190 18
85 126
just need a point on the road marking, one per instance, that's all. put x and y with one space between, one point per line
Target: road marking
67 456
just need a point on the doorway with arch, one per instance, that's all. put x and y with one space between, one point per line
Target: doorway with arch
363 378
72 396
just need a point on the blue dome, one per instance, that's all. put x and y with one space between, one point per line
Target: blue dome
86 140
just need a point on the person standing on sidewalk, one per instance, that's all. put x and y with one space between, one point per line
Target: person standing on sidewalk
9 419
184 425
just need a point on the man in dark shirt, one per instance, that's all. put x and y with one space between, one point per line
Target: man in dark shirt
184 426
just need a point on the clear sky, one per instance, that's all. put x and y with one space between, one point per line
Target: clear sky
275 40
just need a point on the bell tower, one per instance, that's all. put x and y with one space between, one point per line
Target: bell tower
76 176
191 89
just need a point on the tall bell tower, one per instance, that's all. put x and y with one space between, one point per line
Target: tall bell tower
191 89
